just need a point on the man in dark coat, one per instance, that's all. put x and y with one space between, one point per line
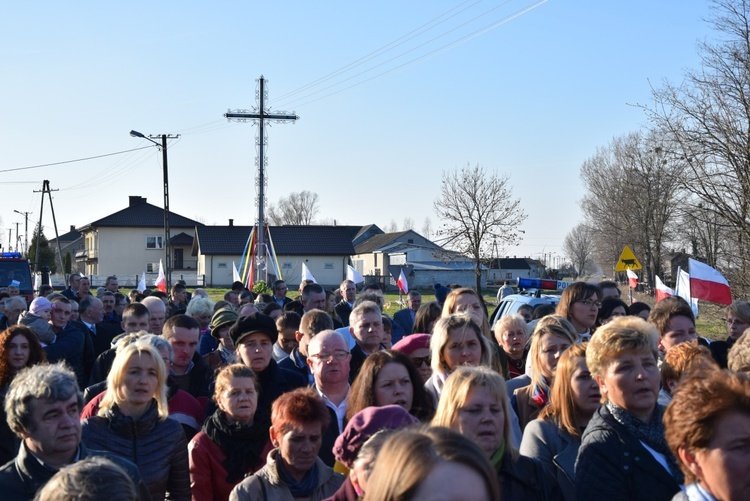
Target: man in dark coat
43 406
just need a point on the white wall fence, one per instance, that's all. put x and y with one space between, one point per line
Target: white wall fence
131 281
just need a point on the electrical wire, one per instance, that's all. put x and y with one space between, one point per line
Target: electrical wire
73 161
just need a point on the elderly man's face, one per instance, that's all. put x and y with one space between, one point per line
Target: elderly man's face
414 302
112 285
13 290
54 429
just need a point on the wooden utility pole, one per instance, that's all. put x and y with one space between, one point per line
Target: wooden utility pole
46 190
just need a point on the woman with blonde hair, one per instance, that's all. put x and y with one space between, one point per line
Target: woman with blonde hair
512 335
552 336
431 463
132 422
475 404
554 438
457 340
623 453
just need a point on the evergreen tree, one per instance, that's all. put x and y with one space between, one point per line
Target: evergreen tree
46 253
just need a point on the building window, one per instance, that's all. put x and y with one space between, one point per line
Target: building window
508 276
154 242
150 267
287 266
328 266
221 265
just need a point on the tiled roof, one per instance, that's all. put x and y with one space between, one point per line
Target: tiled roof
376 242
182 239
70 236
510 263
287 240
144 215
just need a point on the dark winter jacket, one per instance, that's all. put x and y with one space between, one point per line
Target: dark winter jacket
613 465
22 477
158 447
525 478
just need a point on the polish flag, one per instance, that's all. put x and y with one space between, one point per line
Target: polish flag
662 290
161 280
708 284
632 278
402 283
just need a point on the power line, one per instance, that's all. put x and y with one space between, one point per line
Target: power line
76 160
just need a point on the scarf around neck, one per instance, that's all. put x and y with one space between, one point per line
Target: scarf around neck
302 489
540 393
241 444
651 433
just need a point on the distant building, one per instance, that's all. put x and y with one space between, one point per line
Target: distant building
511 268
326 250
71 242
131 241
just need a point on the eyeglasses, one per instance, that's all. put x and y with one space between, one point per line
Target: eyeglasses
590 302
418 361
327 357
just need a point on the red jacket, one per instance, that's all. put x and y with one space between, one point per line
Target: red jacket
208 477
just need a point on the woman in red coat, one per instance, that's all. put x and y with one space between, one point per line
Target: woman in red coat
234 441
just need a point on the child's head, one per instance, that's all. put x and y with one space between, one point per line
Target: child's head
41 307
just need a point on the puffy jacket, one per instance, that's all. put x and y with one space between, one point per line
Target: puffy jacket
158 447
613 465
265 484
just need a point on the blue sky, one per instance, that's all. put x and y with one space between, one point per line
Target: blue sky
533 98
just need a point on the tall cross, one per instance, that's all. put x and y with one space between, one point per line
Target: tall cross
259 115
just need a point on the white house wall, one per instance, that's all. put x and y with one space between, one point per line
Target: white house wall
123 250
328 271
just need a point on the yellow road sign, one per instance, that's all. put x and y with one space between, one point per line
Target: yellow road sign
627 261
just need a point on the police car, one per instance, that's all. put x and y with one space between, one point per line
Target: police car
531 295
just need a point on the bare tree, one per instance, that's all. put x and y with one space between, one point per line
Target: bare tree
298 209
579 247
407 224
632 195
477 207
706 121
427 228
392 227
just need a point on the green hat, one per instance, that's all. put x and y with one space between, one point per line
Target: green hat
222 317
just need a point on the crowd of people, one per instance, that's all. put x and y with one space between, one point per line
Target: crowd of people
324 396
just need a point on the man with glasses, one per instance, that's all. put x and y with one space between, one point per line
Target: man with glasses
328 358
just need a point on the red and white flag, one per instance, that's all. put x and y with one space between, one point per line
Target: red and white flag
632 278
708 284
161 280
662 290
402 283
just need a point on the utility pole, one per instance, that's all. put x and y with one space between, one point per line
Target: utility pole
18 237
259 115
46 190
167 250
26 234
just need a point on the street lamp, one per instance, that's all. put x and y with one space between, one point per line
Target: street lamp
167 253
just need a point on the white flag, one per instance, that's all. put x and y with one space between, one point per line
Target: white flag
306 275
354 275
682 289
37 282
142 284
235 274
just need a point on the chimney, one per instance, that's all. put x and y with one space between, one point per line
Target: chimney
72 227
231 223
134 200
